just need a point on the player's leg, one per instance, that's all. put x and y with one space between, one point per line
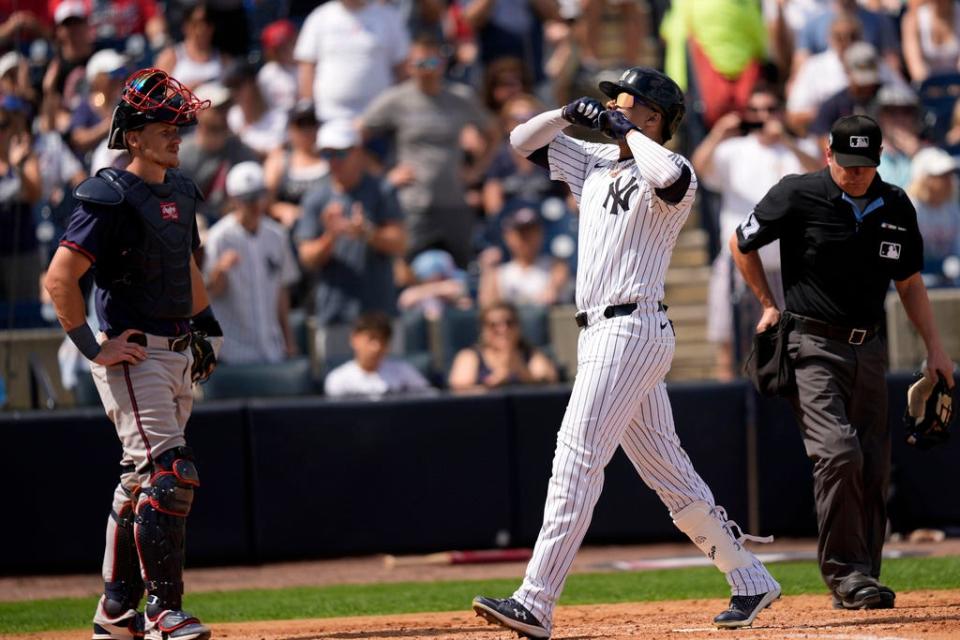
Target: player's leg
116 617
615 370
652 444
144 403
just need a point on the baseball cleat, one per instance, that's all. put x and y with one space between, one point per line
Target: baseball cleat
175 625
510 614
126 626
744 609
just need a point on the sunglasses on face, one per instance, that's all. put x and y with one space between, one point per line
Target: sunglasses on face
330 154
764 109
427 64
507 323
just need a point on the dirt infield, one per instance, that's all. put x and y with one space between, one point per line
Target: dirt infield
933 615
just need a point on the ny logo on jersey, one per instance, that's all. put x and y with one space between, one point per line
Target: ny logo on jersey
620 193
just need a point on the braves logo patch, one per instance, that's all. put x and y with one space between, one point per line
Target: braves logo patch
890 250
169 211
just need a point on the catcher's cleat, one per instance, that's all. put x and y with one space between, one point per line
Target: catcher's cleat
175 625
127 626
510 614
744 609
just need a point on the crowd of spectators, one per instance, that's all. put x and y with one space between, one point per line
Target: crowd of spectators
355 166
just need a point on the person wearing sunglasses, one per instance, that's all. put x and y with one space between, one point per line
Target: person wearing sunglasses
501 356
744 155
349 233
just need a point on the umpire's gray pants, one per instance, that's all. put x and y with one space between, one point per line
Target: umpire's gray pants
841 406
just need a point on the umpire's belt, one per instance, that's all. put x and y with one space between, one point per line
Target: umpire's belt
613 311
178 343
854 336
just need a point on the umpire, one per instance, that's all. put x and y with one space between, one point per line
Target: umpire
844 235
137 231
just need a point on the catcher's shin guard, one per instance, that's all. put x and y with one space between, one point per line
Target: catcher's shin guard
161 526
123 583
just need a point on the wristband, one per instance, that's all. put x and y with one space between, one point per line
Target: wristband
205 321
85 341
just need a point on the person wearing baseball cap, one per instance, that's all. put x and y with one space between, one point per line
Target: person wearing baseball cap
844 234
249 268
277 78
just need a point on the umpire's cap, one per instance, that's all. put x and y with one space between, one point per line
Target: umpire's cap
152 95
656 89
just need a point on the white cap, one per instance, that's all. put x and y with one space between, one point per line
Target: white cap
338 134
932 161
69 9
9 62
216 93
245 179
104 61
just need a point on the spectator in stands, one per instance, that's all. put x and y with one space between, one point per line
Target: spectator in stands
785 21
529 277
934 192
511 28
21 22
726 40
349 233
20 188
196 60
504 79
260 125
294 169
876 28
427 119
90 121
277 78
898 115
512 177
931 38
823 74
742 157
434 283
15 77
862 66
372 372
249 267
114 22
590 36
207 154
952 137
73 45
349 52
501 356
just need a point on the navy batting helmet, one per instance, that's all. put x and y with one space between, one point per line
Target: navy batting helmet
656 90
152 95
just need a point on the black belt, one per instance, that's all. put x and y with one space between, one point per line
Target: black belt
613 311
178 343
850 335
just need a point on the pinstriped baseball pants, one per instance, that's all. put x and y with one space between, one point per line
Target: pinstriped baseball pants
618 399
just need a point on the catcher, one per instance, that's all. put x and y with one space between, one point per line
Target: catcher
137 230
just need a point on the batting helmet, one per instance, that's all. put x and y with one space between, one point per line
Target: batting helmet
152 95
656 90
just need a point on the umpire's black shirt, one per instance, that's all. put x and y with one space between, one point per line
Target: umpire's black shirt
838 253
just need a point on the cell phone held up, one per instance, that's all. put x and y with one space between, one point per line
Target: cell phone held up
747 127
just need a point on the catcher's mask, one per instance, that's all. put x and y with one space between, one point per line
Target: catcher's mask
929 411
152 95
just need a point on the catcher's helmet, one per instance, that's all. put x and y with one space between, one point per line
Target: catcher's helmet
654 88
152 95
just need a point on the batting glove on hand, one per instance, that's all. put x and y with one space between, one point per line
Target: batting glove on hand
615 125
583 111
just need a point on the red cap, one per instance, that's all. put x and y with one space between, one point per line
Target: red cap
276 33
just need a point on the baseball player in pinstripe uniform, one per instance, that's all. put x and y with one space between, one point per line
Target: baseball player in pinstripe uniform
137 230
634 197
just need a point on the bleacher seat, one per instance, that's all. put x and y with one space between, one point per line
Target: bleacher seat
21 315
459 329
288 378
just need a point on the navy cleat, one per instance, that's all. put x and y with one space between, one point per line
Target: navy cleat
744 609
128 625
510 614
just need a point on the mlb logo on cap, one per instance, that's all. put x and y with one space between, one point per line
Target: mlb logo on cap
855 141
169 211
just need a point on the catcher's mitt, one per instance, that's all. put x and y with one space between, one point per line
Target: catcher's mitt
204 357
929 411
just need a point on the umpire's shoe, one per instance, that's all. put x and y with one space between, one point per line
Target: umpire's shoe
743 609
174 625
126 626
510 614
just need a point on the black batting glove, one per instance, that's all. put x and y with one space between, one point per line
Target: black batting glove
615 125
583 111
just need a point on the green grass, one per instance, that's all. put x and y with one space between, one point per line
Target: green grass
374 599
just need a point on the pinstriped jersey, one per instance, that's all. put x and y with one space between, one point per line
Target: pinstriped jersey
626 231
